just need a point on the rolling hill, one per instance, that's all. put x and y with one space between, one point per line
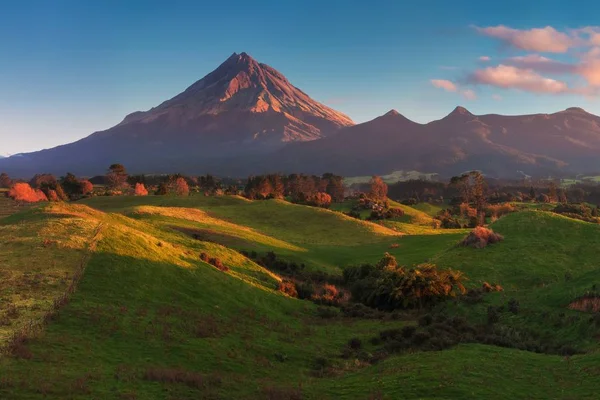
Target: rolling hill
149 319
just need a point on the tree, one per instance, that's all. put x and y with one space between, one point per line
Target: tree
60 193
116 176
40 181
473 189
22 192
162 189
86 187
335 187
181 187
208 183
577 195
5 181
72 186
552 192
134 179
140 190
322 200
378 188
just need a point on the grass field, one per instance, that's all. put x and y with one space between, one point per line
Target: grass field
150 320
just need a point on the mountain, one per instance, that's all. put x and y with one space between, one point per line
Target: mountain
246 118
242 108
563 142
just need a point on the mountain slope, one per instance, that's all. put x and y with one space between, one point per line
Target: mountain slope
567 141
243 107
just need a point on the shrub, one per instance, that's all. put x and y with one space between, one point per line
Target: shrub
86 187
181 187
218 264
589 302
288 287
480 237
513 306
487 287
493 315
24 193
305 290
499 210
329 295
388 286
140 189
53 196
162 190
321 199
204 257
5 181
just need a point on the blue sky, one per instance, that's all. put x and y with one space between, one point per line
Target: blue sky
69 68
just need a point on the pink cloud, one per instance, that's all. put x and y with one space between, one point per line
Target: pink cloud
510 77
541 64
444 84
589 68
485 58
469 94
545 39
497 97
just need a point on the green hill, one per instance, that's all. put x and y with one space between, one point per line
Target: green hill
150 320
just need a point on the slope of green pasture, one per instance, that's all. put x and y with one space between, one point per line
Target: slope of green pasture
146 301
322 239
430 209
545 262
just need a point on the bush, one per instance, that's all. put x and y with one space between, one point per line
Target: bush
387 286
487 287
513 306
305 290
481 237
493 315
288 287
218 264
204 257
22 192
140 189
329 295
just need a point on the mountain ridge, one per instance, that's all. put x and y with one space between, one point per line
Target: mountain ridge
245 117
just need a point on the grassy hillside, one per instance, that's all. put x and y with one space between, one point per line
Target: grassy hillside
430 209
322 239
150 320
